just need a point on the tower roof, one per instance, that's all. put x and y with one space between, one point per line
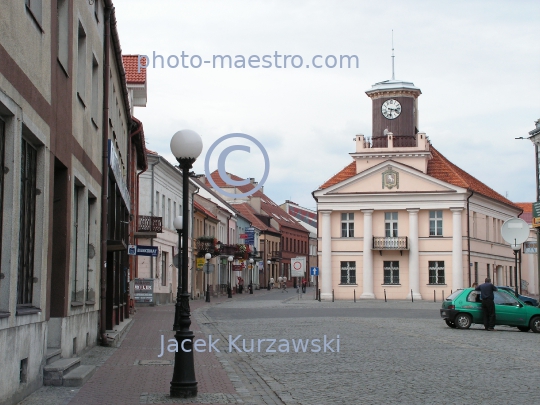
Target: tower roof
393 85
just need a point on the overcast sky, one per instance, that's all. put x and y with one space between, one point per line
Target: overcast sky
476 62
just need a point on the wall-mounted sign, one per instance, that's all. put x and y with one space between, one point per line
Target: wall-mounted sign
530 247
298 266
140 250
200 263
536 215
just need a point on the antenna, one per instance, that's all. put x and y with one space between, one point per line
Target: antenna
393 78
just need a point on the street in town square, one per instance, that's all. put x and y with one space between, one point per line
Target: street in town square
389 352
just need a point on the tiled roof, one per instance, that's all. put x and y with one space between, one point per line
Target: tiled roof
134 74
527 214
346 173
267 205
200 208
248 212
440 168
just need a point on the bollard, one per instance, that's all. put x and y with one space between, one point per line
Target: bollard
434 297
332 295
384 295
412 298
319 295
355 295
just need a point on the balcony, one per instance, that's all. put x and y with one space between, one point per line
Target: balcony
400 243
148 227
275 255
207 244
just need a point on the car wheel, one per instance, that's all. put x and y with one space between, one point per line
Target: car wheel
535 324
450 323
524 328
463 321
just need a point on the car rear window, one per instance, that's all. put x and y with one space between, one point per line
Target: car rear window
454 295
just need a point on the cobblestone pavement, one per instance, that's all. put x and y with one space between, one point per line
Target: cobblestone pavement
396 352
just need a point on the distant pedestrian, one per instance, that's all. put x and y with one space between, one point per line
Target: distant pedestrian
488 305
304 285
272 282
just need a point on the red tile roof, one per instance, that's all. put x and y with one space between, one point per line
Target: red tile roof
200 208
527 214
134 74
248 212
346 173
267 205
440 168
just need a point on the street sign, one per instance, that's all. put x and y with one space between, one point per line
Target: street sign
515 231
200 263
140 250
209 268
298 266
314 271
237 267
243 236
530 247
536 214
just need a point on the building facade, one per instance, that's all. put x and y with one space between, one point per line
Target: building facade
401 219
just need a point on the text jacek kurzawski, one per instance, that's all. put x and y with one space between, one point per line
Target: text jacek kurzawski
239 345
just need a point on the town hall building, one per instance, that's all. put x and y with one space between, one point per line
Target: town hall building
401 219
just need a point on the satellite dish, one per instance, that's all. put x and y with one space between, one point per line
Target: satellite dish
91 251
385 132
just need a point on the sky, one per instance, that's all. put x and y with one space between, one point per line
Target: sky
476 62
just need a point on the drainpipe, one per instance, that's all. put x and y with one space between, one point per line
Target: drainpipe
105 171
469 238
152 214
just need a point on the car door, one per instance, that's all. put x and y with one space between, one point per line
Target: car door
473 306
508 310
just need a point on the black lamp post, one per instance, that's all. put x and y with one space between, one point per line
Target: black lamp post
186 146
207 256
229 290
251 278
516 248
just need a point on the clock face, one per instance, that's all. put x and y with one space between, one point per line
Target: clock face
391 109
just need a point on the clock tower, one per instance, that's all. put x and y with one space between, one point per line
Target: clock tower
395 109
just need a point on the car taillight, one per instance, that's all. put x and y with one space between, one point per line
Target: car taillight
451 307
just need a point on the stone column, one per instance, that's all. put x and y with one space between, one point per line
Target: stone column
368 256
414 271
457 249
326 253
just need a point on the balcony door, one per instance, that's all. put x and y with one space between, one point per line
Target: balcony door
391 224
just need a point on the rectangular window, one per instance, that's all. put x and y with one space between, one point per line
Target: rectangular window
174 211
95 90
164 269
390 224
474 225
170 219
27 223
347 225
487 228
76 280
2 153
62 7
156 214
476 272
163 213
435 223
81 64
436 272
348 272
92 230
488 271
511 276
391 272
36 10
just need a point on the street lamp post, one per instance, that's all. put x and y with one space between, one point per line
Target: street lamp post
229 289
516 249
269 275
208 256
251 271
186 146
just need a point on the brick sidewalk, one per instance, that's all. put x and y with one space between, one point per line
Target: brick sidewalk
121 380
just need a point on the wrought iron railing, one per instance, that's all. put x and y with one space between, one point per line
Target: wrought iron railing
150 224
275 254
390 243
404 141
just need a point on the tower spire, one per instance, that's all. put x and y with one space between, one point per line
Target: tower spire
393 77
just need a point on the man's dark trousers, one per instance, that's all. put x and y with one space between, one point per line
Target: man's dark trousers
488 307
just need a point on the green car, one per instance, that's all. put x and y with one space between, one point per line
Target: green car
464 307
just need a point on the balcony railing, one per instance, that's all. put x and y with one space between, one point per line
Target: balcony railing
275 254
150 224
390 243
398 141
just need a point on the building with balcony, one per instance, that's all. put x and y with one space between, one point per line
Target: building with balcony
160 201
402 219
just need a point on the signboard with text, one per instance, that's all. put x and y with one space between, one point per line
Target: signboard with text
536 215
140 250
298 266
144 289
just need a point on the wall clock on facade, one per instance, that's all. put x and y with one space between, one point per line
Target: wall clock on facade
391 109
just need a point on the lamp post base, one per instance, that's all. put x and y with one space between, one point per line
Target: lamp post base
229 292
